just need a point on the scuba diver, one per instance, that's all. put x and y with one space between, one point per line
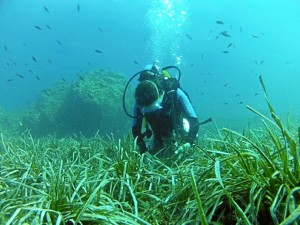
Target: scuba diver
162 113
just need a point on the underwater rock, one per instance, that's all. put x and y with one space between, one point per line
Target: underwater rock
87 106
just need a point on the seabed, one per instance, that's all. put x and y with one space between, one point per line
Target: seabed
229 178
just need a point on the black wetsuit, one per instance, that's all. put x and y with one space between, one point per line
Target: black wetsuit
166 120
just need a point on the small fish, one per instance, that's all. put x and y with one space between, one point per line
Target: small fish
225 52
20 75
255 94
219 22
188 36
225 34
241 29
225 85
59 42
225 103
89 63
135 62
80 77
37 27
98 51
46 9
241 103
228 46
9 80
30 71
63 79
37 77
5 48
202 56
78 8
237 95
192 65
100 29
261 62
254 36
48 27
34 59
49 61
256 62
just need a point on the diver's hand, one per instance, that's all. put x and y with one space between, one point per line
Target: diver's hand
183 148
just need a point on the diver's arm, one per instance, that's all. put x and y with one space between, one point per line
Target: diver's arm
137 127
190 115
194 127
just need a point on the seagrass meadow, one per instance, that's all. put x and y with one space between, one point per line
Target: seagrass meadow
229 178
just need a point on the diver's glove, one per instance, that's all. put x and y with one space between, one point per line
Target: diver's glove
183 148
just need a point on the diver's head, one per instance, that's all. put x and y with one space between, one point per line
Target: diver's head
148 94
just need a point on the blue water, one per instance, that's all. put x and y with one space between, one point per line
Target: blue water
264 39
